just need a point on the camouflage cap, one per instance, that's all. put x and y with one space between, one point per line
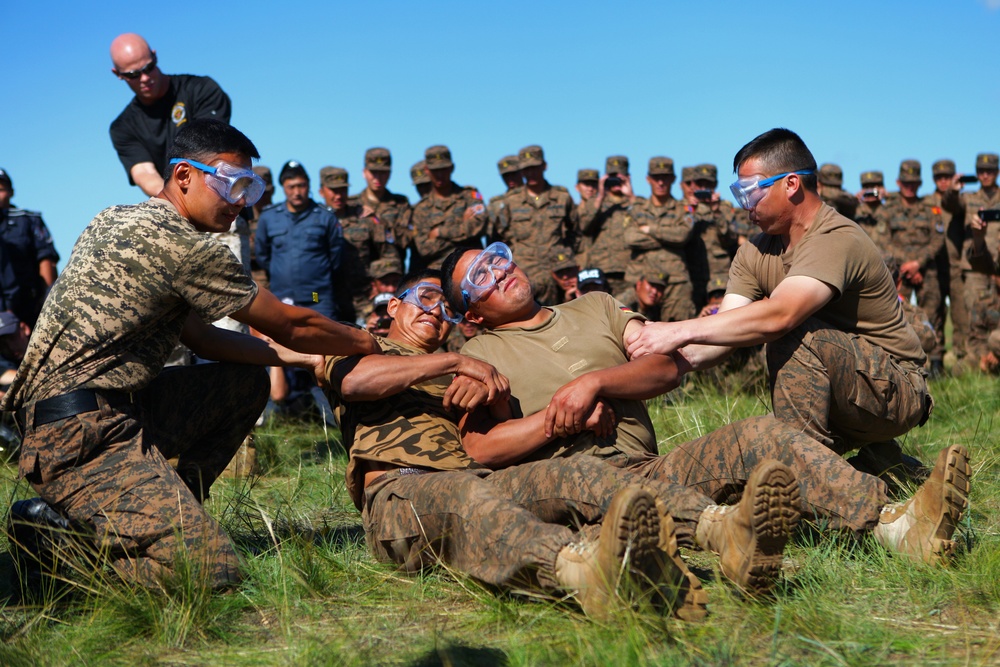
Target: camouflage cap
585 175
655 277
8 323
265 175
418 173
715 285
591 277
707 172
385 266
378 159
871 178
909 171
661 166
333 177
616 164
831 174
292 169
563 259
382 301
531 156
508 164
987 161
438 157
943 168
687 174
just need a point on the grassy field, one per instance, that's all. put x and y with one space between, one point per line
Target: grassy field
314 596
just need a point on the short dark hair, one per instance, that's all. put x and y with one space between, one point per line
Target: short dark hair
453 292
205 138
411 279
779 150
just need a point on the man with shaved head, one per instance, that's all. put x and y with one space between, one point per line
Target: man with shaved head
162 105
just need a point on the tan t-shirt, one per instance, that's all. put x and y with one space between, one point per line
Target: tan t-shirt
837 252
580 336
411 429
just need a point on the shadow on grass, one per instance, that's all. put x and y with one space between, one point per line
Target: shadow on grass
455 655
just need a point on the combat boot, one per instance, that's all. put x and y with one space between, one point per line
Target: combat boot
688 601
37 534
887 461
750 537
921 528
624 559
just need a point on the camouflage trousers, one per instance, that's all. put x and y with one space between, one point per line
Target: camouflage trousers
842 390
983 301
107 470
957 306
930 297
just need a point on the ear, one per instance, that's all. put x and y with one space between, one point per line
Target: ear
115 72
182 175
392 307
472 317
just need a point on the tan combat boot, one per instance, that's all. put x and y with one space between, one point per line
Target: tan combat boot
921 528
750 537
623 559
685 597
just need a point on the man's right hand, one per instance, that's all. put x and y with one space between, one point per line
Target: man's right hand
496 383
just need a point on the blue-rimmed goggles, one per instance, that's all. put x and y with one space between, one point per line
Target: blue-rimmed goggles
427 297
749 191
481 276
234 184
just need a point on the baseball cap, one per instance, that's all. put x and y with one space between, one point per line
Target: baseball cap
831 174
8 323
5 178
418 175
378 159
292 169
943 168
438 157
508 164
909 171
265 175
531 156
591 277
616 164
381 301
333 177
661 165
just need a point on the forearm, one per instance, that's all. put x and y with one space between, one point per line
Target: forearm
374 377
498 444
146 177
640 379
215 344
47 270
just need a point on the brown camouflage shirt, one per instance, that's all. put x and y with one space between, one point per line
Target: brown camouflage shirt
917 230
658 238
392 211
604 230
117 311
536 227
445 215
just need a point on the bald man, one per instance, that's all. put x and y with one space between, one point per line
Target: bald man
161 106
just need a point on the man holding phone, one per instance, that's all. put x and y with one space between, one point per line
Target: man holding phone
602 223
717 235
871 215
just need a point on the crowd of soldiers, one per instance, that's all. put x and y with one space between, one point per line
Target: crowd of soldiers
665 257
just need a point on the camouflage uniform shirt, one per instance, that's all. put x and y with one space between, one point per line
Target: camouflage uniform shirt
446 215
662 247
535 227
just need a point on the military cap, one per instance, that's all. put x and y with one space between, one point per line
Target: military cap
909 171
379 159
943 168
661 166
987 161
687 174
563 259
715 285
333 177
418 173
5 179
616 164
831 174
871 178
382 301
292 169
585 175
385 266
591 277
707 172
531 156
508 164
265 175
438 157
655 277
8 323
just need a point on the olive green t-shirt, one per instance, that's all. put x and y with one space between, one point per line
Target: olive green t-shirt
837 252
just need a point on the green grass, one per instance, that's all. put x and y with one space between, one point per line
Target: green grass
314 596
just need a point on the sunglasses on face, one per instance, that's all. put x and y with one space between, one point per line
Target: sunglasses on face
131 75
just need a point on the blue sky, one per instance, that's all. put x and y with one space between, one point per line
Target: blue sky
866 84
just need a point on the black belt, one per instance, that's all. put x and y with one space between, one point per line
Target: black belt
74 403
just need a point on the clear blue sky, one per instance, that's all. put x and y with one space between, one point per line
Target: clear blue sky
866 84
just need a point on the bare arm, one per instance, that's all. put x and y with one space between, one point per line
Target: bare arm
146 177
47 270
211 342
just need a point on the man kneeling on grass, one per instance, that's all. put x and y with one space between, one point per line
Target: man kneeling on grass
572 527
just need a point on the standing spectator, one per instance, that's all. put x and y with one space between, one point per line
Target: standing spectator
510 172
390 210
830 184
950 264
871 214
602 222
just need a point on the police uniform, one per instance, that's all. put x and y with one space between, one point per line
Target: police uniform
26 242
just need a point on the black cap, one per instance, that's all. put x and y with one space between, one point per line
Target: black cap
5 178
292 169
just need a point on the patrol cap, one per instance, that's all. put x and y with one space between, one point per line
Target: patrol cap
508 165
292 169
531 156
655 278
382 301
943 168
8 323
563 259
909 171
706 172
616 164
872 178
378 159
385 266
661 166
687 174
831 174
5 179
987 161
333 177
418 174
265 175
585 175
438 157
715 285
591 277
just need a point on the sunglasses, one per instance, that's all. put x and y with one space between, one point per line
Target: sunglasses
136 73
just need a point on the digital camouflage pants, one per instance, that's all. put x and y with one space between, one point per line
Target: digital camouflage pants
108 470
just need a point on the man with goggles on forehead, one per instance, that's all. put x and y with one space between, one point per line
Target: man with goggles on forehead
844 365
99 414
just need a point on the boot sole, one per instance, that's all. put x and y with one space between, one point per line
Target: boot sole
629 554
954 501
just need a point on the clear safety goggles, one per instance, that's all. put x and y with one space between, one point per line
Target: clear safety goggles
749 191
427 297
482 274
234 184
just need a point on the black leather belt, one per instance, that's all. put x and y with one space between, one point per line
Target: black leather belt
74 403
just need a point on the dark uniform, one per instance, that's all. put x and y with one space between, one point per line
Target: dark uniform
24 242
